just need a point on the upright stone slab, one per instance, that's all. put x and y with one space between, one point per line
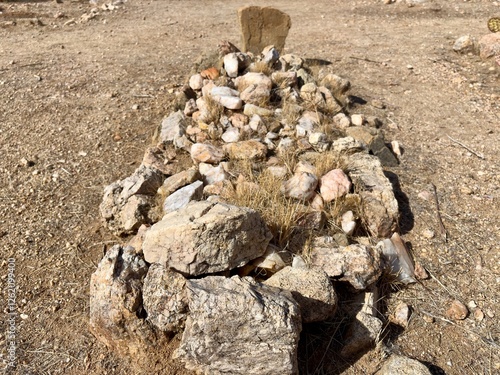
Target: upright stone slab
261 27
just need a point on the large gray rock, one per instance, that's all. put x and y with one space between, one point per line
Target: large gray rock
380 207
206 237
238 326
116 298
173 128
357 264
399 365
311 288
165 298
261 27
126 203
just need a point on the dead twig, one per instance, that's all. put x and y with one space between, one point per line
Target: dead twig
478 154
365 59
442 229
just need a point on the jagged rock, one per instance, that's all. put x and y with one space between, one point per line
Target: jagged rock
246 150
190 107
226 96
236 62
126 203
331 105
183 196
206 153
206 237
256 94
154 157
376 143
271 261
212 174
291 62
261 27
380 207
165 299
138 239
401 315
341 121
337 85
300 186
357 264
270 55
178 180
116 300
284 79
311 288
238 326
465 44
399 365
348 145
312 97
173 129
231 135
397 259
334 184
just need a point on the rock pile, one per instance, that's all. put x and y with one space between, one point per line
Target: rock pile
234 284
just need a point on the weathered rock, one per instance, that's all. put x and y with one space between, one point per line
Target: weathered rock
252 79
270 55
489 46
334 184
311 288
337 85
348 145
380 207
231 135
236 62
271 261
348 223
138 239
457 311
196 82
251 110
206 153
399 365
154 157
397 259
183 196
341 121
284 79
178 180
357 119
246 150
212 174
173 128
401 315
237 326
300 186
357 264
116 298
465 44
210 73
190 107
126 203
164 297
261 27
312 97
256 94
291 62
331 106
206 237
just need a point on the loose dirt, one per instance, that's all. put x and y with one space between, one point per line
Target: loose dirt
79 103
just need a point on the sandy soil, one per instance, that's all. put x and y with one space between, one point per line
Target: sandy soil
79 103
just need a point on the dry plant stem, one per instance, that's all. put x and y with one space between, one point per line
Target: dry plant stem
442 229
478 154
364 59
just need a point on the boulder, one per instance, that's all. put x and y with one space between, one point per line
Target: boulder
357 264
165 298
311 288
126 203
206 237
116 300
238 326
261 27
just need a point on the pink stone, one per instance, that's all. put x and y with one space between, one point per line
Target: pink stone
334 184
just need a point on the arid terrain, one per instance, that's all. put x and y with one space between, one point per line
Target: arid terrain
80 101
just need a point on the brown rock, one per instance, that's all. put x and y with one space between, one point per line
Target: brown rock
206 153
457 311
263 26
246 150
489 46
401 315
210 73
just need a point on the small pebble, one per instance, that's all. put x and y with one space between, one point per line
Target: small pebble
479 315
457 311
420 272
428 233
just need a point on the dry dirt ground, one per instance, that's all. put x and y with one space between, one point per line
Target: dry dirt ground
80 102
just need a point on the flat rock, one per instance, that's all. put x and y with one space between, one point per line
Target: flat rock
246 150
178 180
400 365
165 299
261 27
311 288
238 326
357 264
183 196
206 237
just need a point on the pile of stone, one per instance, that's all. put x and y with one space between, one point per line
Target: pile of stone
213 271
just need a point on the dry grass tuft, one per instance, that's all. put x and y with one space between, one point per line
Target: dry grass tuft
261 67
214 108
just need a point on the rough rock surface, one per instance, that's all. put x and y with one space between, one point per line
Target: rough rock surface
115 299
334 184
126 203
165 299
300 186
311 288
173 128
263 26
380 206
399 365
206 237
358 264
361 334
238 326
183 196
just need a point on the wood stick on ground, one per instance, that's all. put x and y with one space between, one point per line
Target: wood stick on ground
478 154
442 229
